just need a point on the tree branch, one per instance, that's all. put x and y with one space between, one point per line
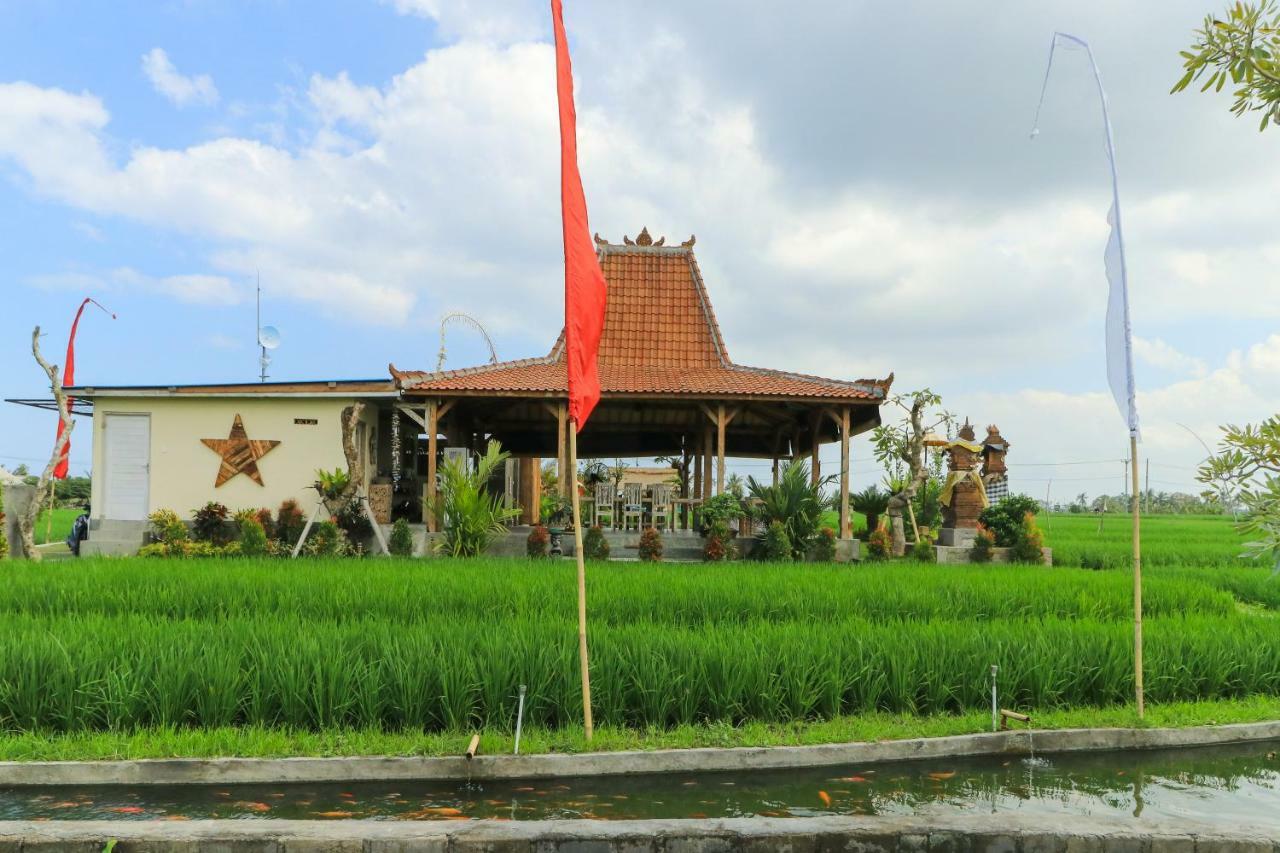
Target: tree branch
27 520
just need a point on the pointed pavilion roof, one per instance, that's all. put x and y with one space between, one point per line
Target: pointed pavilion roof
660 338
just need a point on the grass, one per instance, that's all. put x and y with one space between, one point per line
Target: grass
153 658
315 645
63 519
171 742
1105 541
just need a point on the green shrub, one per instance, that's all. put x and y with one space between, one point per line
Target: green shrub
1004 519
650 545
166 527
594 544
209 523
984 543
795 502
718 546
289 522
923 552
253 539
354 522
537 543
721 509
268 523
879 544
324 540
1028 542
475 517
401 544
824 546
775 546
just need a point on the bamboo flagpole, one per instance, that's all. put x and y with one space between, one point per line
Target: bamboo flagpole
585 295
582 579
1137 584
1119 336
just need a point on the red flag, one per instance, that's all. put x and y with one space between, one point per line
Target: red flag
68 380
584 285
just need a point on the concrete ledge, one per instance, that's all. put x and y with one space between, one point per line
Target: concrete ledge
493 767
1002 833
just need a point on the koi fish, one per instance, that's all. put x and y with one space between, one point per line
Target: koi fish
825 797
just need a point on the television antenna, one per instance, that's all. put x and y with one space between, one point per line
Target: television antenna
268 338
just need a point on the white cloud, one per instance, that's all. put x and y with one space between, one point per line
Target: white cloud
179 88
209 290
502 21
1157 353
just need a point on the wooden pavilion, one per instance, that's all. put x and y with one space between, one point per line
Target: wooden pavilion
668 388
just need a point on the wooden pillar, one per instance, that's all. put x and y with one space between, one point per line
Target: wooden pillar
530 489
815 464
720 425
562 452
706 463
846 529
433 427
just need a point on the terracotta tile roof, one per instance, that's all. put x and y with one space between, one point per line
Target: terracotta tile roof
660 337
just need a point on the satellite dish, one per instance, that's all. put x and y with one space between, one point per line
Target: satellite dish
269 337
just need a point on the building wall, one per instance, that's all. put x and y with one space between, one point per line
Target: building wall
183 470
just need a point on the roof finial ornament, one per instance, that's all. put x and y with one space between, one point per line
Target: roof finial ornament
627 241
600 241
688 244
643 238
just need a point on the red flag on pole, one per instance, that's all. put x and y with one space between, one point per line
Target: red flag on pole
584 285
68 380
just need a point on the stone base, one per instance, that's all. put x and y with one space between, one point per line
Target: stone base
957 537
960 554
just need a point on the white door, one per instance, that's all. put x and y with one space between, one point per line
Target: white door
128 467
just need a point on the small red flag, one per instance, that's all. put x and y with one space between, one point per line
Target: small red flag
68 380
584 285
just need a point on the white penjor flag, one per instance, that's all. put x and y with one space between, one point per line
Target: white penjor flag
1119 331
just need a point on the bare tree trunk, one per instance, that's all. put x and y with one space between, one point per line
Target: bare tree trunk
27 521
913 455
355 471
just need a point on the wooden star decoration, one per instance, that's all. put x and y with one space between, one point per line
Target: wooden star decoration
239 453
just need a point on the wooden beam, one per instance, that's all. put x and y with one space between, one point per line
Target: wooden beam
846 528
413 414
697 469
721 423
432 425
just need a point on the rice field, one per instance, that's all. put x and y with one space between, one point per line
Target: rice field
442 646
1168 540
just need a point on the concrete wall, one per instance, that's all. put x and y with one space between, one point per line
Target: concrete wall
183 470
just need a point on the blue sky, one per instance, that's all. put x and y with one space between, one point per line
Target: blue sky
858 210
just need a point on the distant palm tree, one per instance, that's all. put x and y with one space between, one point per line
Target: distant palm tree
872 503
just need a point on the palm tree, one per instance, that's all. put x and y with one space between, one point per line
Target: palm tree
473 516
795 503
872 503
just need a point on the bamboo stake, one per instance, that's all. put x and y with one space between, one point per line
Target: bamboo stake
582 580
1137 583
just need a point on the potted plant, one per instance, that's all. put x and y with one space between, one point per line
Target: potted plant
332 487
553 511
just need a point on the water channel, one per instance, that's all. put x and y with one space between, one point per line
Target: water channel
1226 785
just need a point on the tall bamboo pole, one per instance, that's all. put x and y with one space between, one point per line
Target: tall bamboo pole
1137 583
582 579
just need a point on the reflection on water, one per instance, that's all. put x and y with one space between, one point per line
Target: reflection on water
1230 785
